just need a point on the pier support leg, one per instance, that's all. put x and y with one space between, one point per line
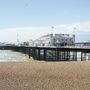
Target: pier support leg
88 56
45 54
75 56
60 55
33 52
81 56
68 55
85 56
38 54
57 54
29 52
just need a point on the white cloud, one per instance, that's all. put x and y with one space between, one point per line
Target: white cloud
27 33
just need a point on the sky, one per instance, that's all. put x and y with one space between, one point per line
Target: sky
23 13
41 15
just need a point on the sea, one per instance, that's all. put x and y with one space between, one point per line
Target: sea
8 55
12 56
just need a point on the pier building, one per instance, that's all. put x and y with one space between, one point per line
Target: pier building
55 40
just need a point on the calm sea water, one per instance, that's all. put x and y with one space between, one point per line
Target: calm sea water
7 55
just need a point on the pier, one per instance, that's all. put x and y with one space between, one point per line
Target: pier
53 53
